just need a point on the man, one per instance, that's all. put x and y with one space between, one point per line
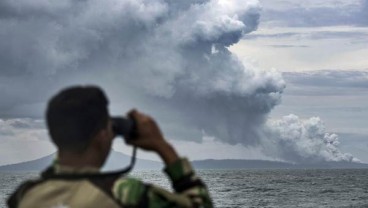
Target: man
80 127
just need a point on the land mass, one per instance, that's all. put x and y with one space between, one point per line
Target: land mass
118 160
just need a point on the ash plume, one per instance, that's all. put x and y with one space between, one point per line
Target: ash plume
304 140
169 57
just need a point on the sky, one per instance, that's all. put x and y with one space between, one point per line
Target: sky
244 79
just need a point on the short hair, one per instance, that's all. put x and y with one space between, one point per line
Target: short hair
75 115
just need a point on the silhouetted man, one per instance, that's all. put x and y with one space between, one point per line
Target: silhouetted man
81 128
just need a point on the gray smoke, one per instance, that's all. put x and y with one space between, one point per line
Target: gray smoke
170 58
303 140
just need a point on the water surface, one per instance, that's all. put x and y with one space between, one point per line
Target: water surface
259 188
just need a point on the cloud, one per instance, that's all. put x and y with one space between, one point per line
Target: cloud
288 46
312 14
22 129
305 141
172 58
337 97
209 148
327 82
147 41
169 58
364 12
335 48
357 143
329 78
322 34
23 139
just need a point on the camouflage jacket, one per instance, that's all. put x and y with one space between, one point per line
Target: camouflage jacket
112 191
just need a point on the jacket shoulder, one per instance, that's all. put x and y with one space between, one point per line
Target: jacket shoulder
15 198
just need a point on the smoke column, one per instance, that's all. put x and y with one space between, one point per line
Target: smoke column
171 57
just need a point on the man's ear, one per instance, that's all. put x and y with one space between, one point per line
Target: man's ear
100 146
99 139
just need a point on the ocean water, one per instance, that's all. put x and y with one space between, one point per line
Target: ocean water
259 188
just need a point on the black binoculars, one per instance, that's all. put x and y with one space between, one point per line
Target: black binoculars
125 127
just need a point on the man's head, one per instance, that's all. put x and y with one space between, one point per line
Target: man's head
75 116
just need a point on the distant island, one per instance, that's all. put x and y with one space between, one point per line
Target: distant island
119 160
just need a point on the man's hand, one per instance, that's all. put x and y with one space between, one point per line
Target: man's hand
149 137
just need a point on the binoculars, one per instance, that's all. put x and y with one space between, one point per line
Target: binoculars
125 127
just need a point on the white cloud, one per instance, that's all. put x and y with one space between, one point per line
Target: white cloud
304 141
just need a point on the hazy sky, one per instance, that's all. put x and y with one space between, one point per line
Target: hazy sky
321 46
276 79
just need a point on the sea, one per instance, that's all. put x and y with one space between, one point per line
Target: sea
257 188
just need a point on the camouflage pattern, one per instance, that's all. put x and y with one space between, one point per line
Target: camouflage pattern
190 191
125 192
